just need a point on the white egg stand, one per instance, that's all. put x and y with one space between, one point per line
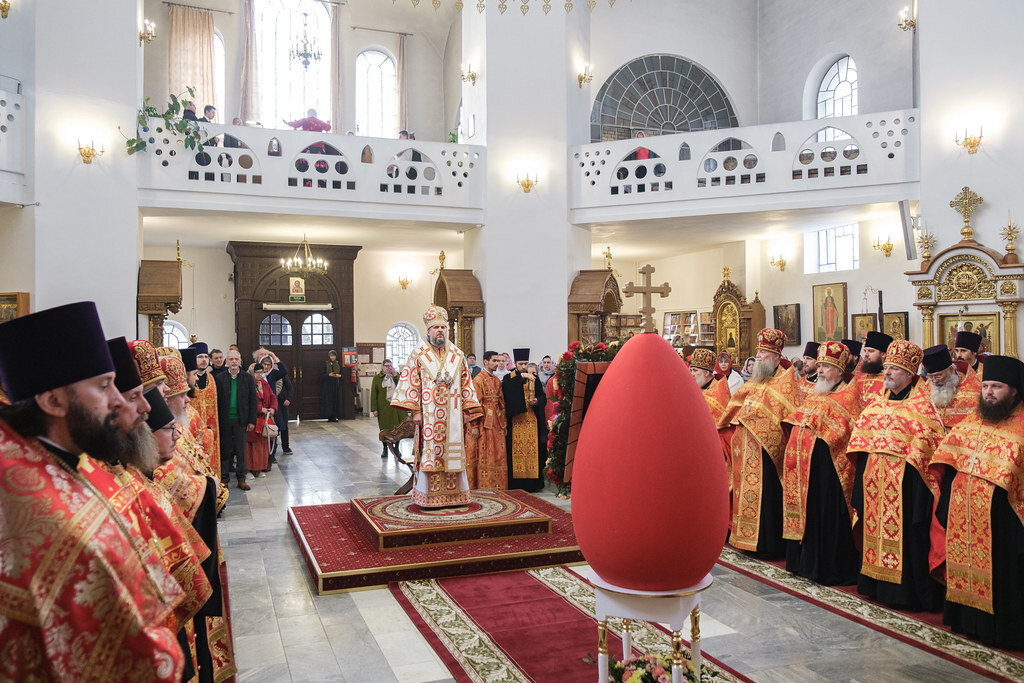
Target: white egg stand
671 607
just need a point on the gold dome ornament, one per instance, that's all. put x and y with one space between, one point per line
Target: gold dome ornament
966 203
1010 233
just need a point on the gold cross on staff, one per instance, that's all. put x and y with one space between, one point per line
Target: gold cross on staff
607 253
965 204
646 291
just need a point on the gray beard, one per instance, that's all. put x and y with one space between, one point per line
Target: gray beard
140 450
823 386
943 395
762 371
436 343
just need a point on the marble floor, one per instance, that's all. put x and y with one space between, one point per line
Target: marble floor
284 631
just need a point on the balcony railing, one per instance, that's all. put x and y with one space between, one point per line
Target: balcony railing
12 140
748 163
286 164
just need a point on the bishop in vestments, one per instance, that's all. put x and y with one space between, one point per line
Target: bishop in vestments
526 438
817 479
954 386
894 491
485 439
982 504
758 445
436 387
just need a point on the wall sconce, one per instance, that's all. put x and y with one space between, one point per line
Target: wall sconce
906 22
404 281
587 75
148 32
468 75
89 152
779 262
886 247
526 183
970 143
5 7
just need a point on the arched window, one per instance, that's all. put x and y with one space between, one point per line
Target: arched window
317 330
275 330
288 89
376 95
175 335
401 341
218 78
659 94
837 94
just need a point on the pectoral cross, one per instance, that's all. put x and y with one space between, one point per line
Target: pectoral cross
965 204
646 290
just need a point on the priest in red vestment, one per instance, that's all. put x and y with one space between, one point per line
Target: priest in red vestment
954 385
758 445
82 596
868 381
982 504
716 391
485 439
205 427
894 492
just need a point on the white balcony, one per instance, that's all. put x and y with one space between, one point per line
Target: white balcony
285 171
872 158
13 122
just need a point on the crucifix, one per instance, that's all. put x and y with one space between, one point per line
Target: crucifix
607 253
646 290
965 204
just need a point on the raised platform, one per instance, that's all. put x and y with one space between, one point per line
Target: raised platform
341 557
397 522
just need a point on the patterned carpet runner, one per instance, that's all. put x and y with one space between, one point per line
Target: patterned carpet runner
535 625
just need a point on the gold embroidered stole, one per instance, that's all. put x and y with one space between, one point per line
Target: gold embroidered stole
758 409
828 417
893 434
965 400
717 397
984 456
205 403
525 451
867 387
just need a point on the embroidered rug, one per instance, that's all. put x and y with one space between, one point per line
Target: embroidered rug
340 557
535 625
922 630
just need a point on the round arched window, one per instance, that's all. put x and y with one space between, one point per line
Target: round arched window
175 335
317 330
401 341
275 330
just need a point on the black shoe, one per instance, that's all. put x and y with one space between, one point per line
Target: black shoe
287 451
384 449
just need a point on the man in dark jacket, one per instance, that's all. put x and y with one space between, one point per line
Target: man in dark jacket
236 412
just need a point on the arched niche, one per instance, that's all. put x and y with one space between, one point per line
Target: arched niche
459 292
593 296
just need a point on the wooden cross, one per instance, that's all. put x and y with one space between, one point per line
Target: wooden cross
965 204
646 290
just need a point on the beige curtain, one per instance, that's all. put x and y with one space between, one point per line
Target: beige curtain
403 103
249 102
336 69
190 57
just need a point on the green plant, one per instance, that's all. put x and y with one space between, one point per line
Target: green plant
190 133
453 136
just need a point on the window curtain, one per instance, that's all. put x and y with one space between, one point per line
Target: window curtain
190 55
336 69
403 104
249 102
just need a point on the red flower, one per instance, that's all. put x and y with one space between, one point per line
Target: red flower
566 357
574 346
601 346
552 476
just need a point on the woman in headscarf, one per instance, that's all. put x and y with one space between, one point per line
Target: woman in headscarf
748 368
257 455
724 370
332 387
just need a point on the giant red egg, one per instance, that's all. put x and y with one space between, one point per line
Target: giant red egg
650 496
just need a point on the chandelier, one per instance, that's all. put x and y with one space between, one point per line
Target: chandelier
302 263
305 50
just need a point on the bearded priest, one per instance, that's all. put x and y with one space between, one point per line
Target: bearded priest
526 435
895 492
716 391
817 480
758 446
954 386
436 387
983 507
868 379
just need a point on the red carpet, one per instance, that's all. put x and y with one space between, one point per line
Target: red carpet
341 557
923 630
530 621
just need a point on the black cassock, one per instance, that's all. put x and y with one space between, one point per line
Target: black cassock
515 404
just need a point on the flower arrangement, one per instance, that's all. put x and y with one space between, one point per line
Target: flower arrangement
561 398
644 669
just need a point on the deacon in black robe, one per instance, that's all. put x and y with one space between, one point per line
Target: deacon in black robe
519 439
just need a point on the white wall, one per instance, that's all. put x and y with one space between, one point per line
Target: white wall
452 75
800 39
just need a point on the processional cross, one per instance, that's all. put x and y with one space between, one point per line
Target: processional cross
965 204
646 290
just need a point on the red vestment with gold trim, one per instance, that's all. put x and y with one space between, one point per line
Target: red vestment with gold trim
203 422
867 387
486 467
82 597
717 396
965 399
757 410
893 434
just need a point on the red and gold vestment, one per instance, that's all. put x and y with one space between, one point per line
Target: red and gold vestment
717 396
757 410
893 434
867 386
486 467
985 456
203 422
82 597
829 417
965 400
